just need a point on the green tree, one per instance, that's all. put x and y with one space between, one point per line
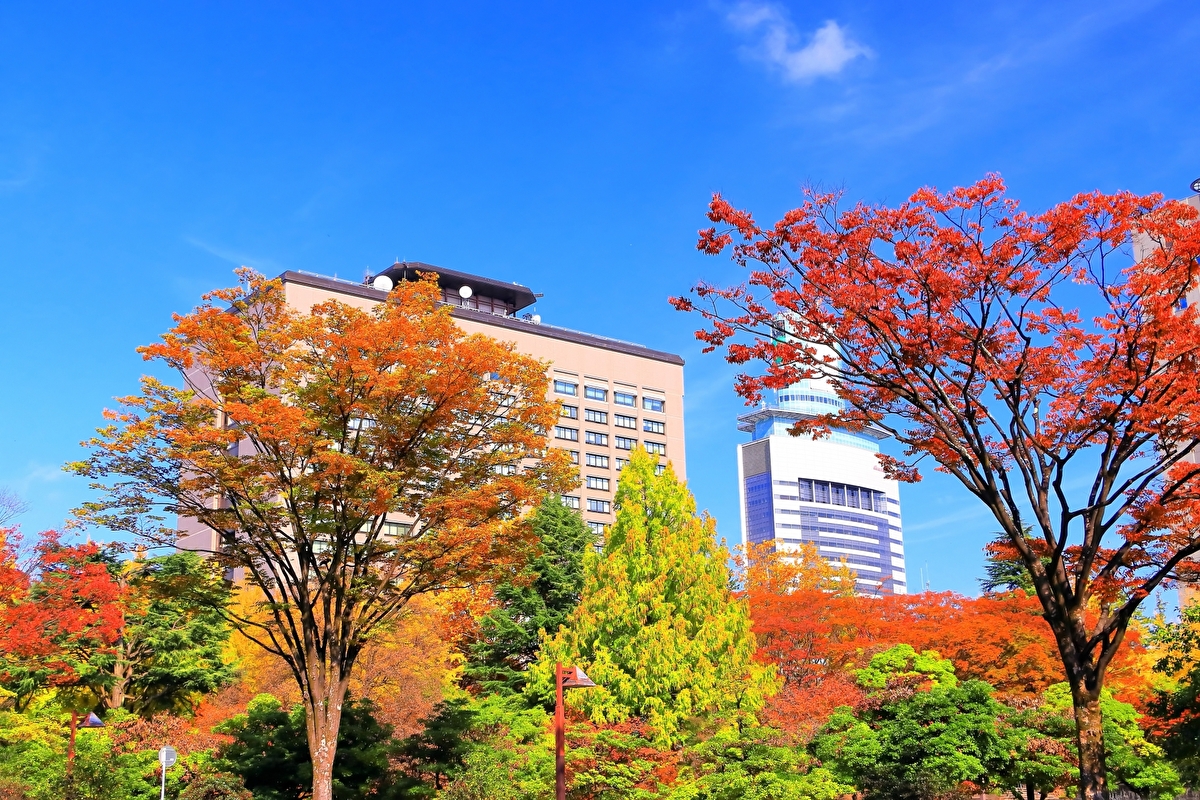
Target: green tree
269 752
1040 742
657 627
173 638
511 753
538 600
752 764
433 757
1133 762
216 786
921 733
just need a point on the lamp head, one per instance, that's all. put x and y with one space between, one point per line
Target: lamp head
575 678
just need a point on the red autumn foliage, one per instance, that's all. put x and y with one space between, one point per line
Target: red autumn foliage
1022 352
60 608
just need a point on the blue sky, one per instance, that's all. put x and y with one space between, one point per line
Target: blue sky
146 150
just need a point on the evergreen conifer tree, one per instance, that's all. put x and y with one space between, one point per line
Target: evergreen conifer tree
658 628
539 600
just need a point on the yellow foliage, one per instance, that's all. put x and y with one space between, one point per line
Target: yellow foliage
763 568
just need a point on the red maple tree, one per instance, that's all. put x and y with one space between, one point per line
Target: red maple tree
1024 353
55 611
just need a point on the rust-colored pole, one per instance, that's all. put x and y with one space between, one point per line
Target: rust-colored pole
71 742
560 736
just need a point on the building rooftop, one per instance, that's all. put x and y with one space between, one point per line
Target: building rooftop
513 293
747 422
499 320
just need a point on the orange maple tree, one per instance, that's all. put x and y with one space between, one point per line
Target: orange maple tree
1023 353
348 461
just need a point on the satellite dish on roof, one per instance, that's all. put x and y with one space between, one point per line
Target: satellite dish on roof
465 292
1196 185
536 319
383 283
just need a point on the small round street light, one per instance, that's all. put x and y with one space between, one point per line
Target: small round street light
166 758
569 678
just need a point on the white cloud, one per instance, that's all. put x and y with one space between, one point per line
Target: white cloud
826 53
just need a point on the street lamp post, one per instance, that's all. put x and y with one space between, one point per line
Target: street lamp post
90 721
569 678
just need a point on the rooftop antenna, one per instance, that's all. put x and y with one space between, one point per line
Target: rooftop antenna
925 572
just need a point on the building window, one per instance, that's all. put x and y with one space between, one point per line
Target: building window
597 483
624 443
595 393
599 506
625 399
566 387
653 426
597 528
596 438
570 501
653 404
563 432
622 421
659 469
505 469
656 447
570 412
574 454
394 529
621 462
594 460
595 416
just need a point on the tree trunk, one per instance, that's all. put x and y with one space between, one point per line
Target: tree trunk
1093 776
122 674
324 717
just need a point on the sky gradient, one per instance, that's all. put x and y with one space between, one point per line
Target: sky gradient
146 150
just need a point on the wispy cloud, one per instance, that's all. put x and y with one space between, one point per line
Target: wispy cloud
826 52
232 256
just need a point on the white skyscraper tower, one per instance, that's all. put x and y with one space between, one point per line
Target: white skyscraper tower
830 492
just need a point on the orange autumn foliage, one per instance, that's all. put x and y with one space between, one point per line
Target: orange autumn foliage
817 633
347 460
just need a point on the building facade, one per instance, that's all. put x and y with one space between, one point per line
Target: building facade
614 395
830 492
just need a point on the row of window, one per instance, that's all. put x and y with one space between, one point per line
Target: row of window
619 420
601 440
811 398
620 398
596 460
840 494
596 506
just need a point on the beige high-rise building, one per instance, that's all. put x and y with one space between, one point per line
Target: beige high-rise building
615 395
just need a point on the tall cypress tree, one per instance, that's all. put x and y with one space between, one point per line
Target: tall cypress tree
658 628
540 600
